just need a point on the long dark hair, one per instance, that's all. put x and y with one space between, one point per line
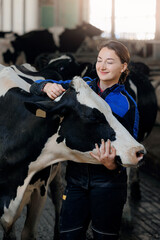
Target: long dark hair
121 51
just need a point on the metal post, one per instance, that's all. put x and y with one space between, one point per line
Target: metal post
113 20
157 34
80 12
1 14
12 16
24 16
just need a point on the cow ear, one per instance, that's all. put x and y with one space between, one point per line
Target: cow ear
33 107
45 108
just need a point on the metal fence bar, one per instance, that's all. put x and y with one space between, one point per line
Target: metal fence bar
1 15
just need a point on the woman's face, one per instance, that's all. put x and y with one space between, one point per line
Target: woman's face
109 66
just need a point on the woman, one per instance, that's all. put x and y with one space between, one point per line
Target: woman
98 192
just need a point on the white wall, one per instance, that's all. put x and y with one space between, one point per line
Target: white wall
19 15
32 15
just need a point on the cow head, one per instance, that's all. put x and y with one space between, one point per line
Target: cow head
86 119
65 65
90 30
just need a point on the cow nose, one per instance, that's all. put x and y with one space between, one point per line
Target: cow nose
140 155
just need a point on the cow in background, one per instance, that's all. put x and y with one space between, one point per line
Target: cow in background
63 67
8 35
5 45
51 40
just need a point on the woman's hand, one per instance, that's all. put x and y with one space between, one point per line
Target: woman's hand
53 90
106 155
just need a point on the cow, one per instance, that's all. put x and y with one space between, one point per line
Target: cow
63 67
32 145
51 40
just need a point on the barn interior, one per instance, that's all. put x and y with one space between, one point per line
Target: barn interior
134 23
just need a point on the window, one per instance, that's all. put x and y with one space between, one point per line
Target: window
100 15
133 19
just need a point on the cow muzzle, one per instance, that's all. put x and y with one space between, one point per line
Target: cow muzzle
135 158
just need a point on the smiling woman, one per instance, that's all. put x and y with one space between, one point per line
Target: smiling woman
133 19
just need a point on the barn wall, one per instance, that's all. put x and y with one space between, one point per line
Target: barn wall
47 19
66 13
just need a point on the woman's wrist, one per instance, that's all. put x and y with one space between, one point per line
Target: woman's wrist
111 166
45 87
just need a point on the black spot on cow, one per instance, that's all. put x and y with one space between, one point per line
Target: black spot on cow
76 36
81 121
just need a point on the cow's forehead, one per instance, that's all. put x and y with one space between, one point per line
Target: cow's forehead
86 96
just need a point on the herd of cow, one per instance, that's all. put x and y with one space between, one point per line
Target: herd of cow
18 49
36 134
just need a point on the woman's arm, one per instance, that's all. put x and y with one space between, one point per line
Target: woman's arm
53 90
50 87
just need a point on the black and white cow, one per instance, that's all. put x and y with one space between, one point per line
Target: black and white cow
5 45
36 42
30 145
63 67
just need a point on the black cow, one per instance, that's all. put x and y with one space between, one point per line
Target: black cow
30 145
37 42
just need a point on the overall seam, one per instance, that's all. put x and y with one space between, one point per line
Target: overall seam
111 234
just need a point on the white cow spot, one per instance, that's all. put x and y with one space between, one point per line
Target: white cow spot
56 32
